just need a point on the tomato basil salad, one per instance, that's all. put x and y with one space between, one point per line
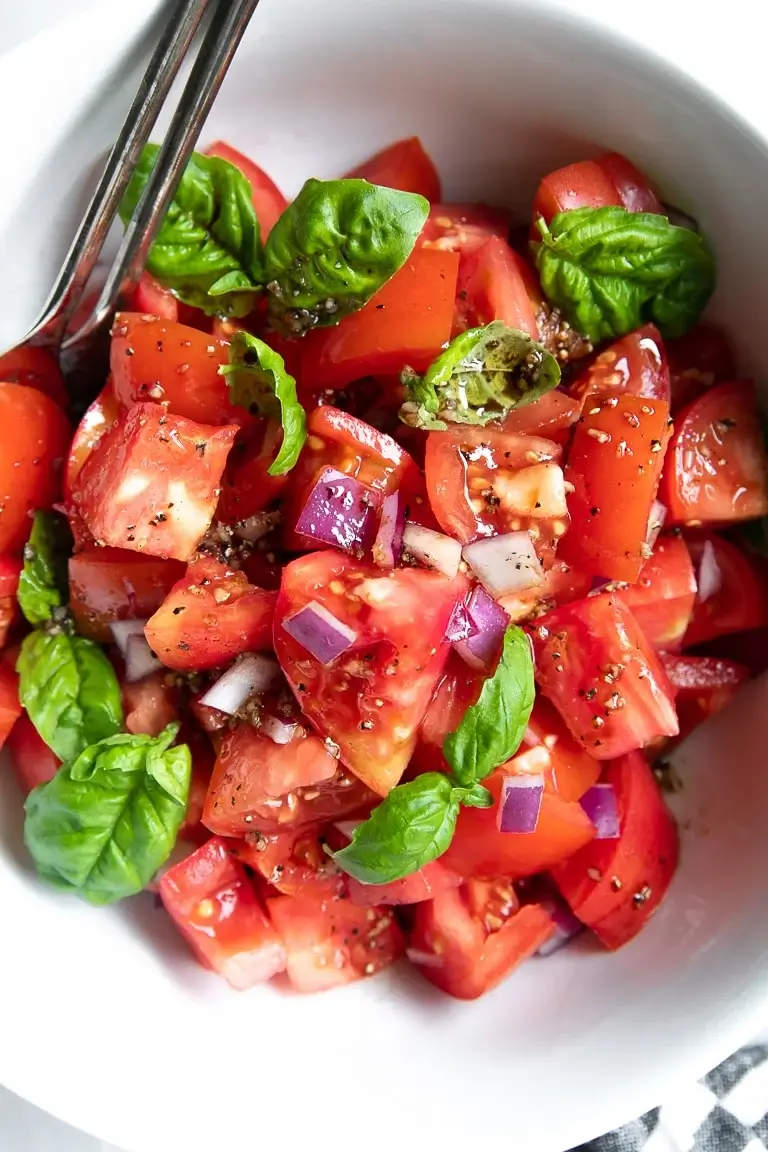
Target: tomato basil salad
401 543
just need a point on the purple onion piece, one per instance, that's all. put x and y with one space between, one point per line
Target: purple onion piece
340 512
461 626
388 545
318 630
602 807
520 804
566 927
482 649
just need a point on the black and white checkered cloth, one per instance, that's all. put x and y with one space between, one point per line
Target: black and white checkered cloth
727 1111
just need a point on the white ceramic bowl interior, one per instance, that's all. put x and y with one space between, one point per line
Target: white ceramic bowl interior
105 1019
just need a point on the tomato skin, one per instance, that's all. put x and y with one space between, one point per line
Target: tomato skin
637 363
453 950
293 861
153 359
193 831
10 570
405 165
333 942
33 443
476 480
609 179
371 699
214 905
552 416
615 462
150 299
458 688
703 686
479 850
152 481
10 708
100 415
492 285
34 368
741 602
662 600
247 487
717 467
464 227
643 858
210 616
568 770
268 200
698 360
149 704
600 672
31 759
109 584
425 884
406 323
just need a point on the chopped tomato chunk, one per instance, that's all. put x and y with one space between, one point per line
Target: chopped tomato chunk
109 584
100 415
552 751
425 884
405 165
10 708
34 436
662 600
151 299
492 285
734 596
464 227
636 363
703 685
149 704
609 179
10 570
294 861
698 360
32 761
34 368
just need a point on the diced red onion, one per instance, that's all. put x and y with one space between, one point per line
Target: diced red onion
520 804
280 731
680 219
566 927
249 674
709 578
318 630
601 805
506 563
656 518
461 625
432 549
389 539
140 660
340 512
122 630
481 650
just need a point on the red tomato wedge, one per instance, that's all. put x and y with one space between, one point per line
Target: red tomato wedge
150 298
478 849
614 465
425 884
214 904
254 779
703 686
493 285
458 688
109 584
662 600
455 950
406 323
560 585
717 466
34 368
247 487
149 704
614 886
158 360
152 481
552 416
737 598
267 198
550 749
10 708
34 438
193 831
637 363
602 675
405 165
698 360
371 699
293 861
31 759
209 617
100 415
10 570
464 227
609 179
482 481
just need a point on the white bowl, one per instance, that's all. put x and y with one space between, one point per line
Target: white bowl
105 1019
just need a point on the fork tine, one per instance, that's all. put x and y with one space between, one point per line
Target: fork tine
219 45
81 258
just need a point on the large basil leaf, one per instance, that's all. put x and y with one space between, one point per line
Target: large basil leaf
70 691
335 246
43 580
258 381
105 824
208 248
491 730
482 374
610 271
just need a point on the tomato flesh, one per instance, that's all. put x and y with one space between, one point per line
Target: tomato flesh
10 708
34 438
31 759
34 368
636 363
550 749
100 415
662 600
405 165
464 227
609 179
149 704
425 884
738 603
110 584
294 861
492 285
698 360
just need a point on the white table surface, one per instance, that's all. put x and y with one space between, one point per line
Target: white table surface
24 1128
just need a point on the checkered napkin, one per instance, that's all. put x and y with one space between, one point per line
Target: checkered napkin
727 1111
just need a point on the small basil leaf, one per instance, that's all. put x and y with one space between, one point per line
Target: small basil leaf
476 797
105 824
481 376
491 730
43 580
610 271
70 691
208 248
411 827
335 246
258 381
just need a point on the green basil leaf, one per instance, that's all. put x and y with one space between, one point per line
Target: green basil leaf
335 246
105 824
70 691
477 797
43 580
411 827
258 381
491 730
208 248
481 376
609 271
